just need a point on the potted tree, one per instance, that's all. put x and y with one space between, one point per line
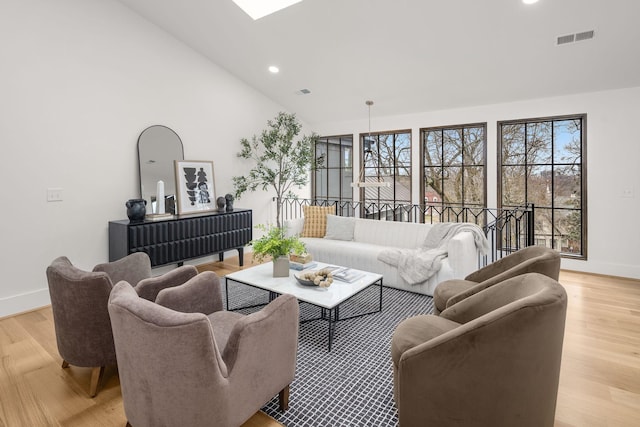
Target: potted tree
279 161
276 244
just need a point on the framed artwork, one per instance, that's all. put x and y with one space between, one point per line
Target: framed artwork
195 190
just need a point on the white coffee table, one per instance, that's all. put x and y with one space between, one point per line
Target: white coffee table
328 299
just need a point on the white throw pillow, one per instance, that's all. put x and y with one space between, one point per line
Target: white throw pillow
340 227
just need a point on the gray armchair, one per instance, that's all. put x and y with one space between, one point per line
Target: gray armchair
492 359
79 303
191 369
532 259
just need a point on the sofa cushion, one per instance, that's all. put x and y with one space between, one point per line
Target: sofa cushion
391 233
340 227
315 220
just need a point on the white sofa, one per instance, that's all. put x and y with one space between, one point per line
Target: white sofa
370 237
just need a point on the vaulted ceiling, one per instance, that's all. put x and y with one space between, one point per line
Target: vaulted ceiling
410 55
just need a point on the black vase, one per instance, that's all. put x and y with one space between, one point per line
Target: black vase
136 209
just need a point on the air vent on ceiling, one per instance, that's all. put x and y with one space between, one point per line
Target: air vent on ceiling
566 39
303 92
586 35
570 38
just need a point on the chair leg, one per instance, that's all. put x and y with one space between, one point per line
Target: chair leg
283 398
96 373
65 364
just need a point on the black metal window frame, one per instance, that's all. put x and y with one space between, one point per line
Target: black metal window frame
343 194
553 164
373 168
424 175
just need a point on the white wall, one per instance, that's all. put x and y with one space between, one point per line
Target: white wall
80 79
613 153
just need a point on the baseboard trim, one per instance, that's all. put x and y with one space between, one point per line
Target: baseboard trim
23 303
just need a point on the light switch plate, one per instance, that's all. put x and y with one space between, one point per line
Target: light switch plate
54 194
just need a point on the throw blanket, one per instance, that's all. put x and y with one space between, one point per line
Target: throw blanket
418 265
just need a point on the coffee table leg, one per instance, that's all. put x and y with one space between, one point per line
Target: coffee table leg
226 291
331 327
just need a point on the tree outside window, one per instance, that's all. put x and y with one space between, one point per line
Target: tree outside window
454 168
541 161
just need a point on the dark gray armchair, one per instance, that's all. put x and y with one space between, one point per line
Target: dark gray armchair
190 369
532 259
79 303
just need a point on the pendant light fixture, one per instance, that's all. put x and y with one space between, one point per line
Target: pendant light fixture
366 153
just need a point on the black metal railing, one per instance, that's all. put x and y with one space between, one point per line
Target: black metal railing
507 230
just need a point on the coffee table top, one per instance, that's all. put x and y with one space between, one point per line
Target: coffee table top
261 276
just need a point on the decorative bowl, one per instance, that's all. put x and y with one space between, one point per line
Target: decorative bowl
322 278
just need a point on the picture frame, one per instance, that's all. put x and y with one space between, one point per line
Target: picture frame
195 187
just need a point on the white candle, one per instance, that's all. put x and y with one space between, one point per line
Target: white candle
160 197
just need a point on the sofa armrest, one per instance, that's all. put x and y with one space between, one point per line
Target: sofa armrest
293 226
463 255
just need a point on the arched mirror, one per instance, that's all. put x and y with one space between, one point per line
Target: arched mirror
158 147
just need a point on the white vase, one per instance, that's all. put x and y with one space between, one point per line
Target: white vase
281 266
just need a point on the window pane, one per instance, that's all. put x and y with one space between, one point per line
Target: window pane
513 147
403 189
347 156
321 183
474 185
321 150
569 226
452 147
539 143
386 152
567 141
333 160
566 184
403 150
539 186
453 185
473 146
347 179
334 183
543 227
433 148
513 185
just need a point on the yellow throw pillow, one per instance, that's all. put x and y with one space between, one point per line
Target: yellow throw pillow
315 220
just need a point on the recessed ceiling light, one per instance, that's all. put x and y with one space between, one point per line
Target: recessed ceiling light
274 69
529 1
259 8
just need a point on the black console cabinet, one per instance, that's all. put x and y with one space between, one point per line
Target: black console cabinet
183 237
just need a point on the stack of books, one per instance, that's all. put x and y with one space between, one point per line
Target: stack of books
299 266
348 275
300 259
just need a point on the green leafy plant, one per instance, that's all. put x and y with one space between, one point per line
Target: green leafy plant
275 243
280 162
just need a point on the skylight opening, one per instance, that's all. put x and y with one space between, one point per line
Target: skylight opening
257 9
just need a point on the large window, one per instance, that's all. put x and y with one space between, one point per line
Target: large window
454 167
541 161
332 180
386 158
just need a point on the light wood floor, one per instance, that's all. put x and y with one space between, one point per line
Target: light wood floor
599 380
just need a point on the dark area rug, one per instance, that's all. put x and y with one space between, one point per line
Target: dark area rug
353 384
